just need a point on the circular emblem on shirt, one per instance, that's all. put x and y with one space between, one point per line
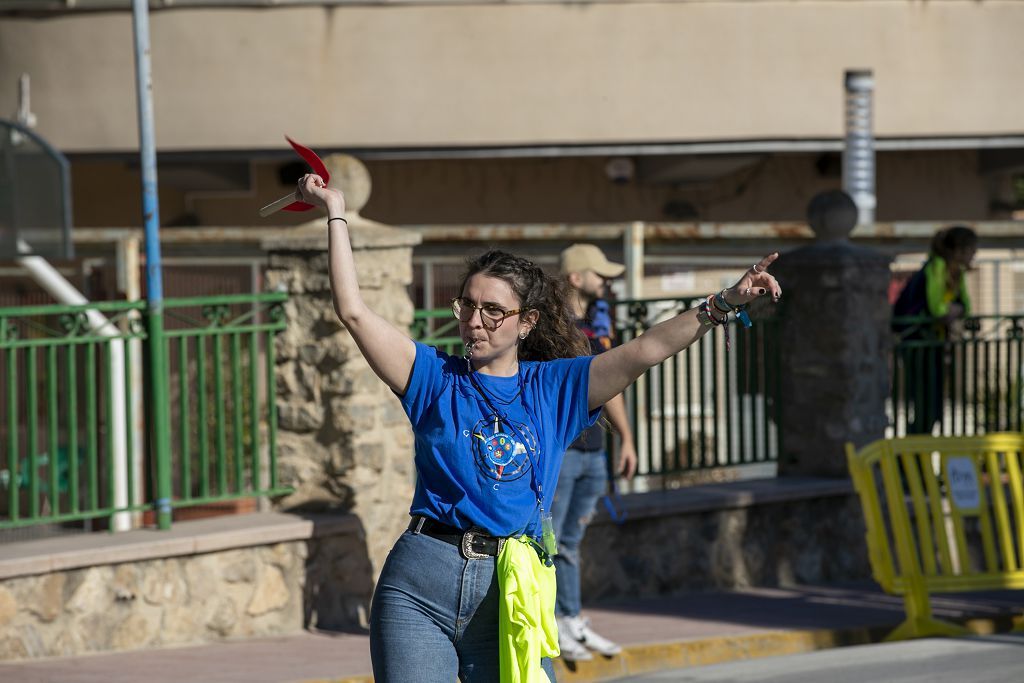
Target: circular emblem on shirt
501 448
502 451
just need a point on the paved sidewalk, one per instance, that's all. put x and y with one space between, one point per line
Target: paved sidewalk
657 634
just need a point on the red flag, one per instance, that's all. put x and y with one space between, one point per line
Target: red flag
314 163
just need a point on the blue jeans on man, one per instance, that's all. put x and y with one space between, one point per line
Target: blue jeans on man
581 483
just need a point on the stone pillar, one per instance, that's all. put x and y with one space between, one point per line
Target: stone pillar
343 439
834 343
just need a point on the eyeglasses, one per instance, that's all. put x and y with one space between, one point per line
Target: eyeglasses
491 315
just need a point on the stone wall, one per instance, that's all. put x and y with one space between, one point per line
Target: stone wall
159 595
344 442
173 601
774 532
765 533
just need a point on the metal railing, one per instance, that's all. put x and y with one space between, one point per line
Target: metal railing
709 407
437 327
704 409
67 451
959 383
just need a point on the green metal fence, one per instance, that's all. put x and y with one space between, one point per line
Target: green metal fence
75 444
439 328
704 409
968 381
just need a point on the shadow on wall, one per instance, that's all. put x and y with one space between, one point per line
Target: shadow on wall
670 545
339 577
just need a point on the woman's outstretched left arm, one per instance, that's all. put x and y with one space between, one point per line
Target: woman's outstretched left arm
614 370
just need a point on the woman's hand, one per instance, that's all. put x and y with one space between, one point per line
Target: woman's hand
754 283
614 370
313 190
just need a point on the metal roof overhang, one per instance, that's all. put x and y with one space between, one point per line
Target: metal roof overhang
901 144
624 149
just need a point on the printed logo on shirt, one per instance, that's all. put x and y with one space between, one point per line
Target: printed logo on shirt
499 449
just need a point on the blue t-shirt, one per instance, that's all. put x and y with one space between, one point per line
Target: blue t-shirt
475 470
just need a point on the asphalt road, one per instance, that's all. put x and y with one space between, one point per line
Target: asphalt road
977 659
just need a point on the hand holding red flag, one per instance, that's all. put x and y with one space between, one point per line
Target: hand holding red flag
289 202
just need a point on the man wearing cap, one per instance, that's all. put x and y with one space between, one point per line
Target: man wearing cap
585 470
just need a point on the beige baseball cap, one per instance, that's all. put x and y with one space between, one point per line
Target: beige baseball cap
581 257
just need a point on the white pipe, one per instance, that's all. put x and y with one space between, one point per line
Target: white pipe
633 244
129 283
633 248
64 292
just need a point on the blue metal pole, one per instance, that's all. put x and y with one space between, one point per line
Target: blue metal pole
154 278
147 151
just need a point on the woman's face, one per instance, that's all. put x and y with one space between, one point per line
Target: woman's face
490 338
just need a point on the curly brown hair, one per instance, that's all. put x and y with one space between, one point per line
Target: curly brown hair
555 335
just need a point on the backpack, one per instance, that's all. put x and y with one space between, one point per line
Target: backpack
913 299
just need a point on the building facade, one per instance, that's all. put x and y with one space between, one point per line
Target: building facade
490 112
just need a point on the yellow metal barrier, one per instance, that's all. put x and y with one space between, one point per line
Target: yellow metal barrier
943 515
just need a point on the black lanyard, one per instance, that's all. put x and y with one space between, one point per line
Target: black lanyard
503 419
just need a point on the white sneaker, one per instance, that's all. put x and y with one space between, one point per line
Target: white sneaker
572 650
581 631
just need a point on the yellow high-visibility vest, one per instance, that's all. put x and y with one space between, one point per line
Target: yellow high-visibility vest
527 631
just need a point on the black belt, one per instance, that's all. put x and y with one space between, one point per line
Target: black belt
473 544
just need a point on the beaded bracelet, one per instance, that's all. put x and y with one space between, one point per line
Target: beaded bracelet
741 311
710 303
720 303
706 317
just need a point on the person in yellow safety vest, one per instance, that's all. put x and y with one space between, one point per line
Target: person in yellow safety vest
938 291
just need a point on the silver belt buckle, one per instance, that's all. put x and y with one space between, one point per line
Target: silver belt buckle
466 546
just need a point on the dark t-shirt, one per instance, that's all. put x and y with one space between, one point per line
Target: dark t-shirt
597 326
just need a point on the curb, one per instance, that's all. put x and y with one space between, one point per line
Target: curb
653 657
650 658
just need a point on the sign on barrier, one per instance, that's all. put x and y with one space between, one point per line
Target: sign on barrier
963 484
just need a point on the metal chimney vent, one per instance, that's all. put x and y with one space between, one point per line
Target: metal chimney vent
859 151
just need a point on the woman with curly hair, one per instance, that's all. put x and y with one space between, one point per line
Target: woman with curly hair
490 430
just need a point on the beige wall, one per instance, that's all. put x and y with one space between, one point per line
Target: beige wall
512 74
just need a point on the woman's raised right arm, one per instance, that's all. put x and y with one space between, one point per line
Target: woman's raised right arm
388 350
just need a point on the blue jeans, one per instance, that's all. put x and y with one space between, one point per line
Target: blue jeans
581 483
434 616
